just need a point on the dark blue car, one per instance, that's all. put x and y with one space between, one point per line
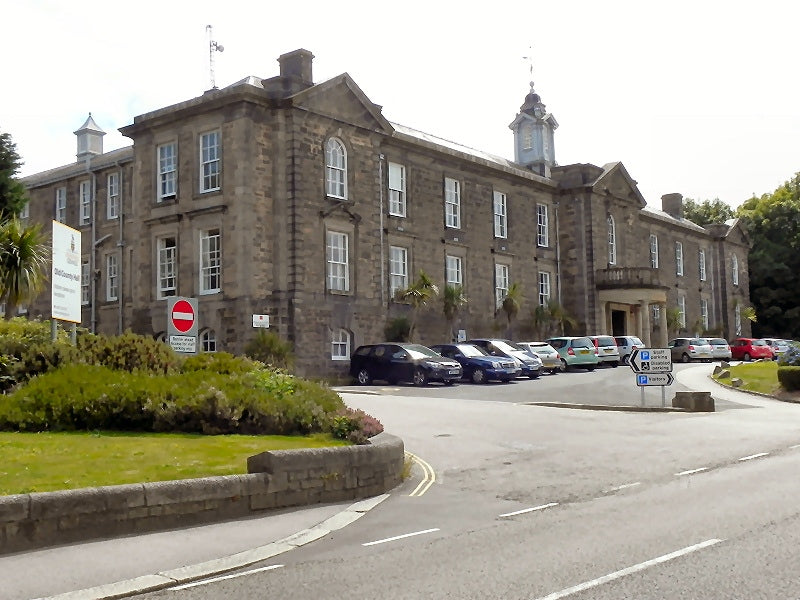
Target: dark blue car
478 366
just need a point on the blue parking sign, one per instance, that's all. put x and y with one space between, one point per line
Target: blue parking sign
645 354
642 379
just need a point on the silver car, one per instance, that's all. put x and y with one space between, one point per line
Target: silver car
778 346
689 349
720 350
551 361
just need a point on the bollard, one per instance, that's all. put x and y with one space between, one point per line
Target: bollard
694 401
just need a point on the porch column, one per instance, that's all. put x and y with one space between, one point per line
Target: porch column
644 330
662 321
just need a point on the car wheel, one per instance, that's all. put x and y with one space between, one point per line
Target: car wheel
564 365
590 369
479 376
419 377
554 371
534 375
746 357
625 359
685 358
615 364
363 377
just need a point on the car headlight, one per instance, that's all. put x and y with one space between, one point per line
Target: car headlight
432 365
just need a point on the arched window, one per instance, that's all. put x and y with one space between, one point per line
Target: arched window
340 345
612 241
527 137
735 270
336 169
208 341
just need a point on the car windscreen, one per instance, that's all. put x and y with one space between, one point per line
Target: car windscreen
504 347
759 343
543 348
419 351
470 350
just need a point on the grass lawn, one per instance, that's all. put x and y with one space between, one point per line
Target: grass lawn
756 377
44 462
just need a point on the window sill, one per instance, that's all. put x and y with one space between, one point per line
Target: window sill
206 292
340 292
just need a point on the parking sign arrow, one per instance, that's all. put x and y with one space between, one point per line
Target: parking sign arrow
643 379
651 360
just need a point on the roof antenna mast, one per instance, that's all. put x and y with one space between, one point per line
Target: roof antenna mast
212 47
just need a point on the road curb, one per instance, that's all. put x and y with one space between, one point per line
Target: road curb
607 407
189 573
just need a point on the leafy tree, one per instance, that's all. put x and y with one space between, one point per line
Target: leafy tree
24 256
511 304
12 193
674 320
418 294
773 223
707 211
453 299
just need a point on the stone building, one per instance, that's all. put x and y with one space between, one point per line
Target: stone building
298 200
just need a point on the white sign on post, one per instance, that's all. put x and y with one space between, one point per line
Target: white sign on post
65 297
651 360
260 320
182 324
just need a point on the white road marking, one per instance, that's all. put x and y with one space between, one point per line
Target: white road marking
429 478
634 569
527 510
622 487
223 577
400 537
691 471
795 446
752 456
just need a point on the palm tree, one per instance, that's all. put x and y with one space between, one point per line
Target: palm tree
417 295
674 319
511 304
546 317
23 263
452 299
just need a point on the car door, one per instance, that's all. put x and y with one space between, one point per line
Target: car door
399 365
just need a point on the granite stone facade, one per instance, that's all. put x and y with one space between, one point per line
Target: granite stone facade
261 218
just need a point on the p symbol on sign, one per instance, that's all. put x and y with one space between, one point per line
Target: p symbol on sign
642 379
645 355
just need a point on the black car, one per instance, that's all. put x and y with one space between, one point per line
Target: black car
393 362
478 366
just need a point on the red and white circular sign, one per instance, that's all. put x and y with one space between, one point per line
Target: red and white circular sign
182 316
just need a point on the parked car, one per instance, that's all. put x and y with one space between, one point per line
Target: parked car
749 348
575 352
606 349
529 363
478 366
626 345
551 361
393 362
778 346
720 350
689 349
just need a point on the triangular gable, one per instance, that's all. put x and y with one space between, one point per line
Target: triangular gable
616 180
342 99
737 234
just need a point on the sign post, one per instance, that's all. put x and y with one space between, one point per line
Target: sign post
653 366
182 324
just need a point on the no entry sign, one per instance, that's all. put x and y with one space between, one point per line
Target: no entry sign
182 316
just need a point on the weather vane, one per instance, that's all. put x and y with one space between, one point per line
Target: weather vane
529 58
212 47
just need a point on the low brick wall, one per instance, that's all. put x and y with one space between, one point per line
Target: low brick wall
275 480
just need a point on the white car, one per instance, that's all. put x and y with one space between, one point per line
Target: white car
627 344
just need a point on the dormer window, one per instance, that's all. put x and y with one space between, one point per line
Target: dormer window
336 169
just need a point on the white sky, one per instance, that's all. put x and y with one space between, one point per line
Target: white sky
698 97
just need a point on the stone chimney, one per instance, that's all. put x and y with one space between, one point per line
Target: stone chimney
297 64
90 139
672 204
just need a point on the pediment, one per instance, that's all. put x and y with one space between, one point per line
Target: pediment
616 181
340 98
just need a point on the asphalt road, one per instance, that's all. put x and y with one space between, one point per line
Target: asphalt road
544 503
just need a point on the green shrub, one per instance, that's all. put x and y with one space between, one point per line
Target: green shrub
128 352
218 362
27 350
397 330
355 426
268 348
789 377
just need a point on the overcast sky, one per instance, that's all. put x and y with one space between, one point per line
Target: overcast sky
695 97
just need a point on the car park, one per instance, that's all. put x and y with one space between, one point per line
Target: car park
393 362
477 365
779 346
575 352
686 349
551 361
720 349
529 363
749 348
626 344
606 349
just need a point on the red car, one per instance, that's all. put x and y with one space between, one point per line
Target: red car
749 348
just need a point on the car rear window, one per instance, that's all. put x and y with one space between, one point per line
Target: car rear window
718 341
605 340
759 343
583 342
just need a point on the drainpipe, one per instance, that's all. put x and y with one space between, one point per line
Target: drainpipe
121 246
93 254
558 255
380 186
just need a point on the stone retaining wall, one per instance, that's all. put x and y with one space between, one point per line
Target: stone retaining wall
277 479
